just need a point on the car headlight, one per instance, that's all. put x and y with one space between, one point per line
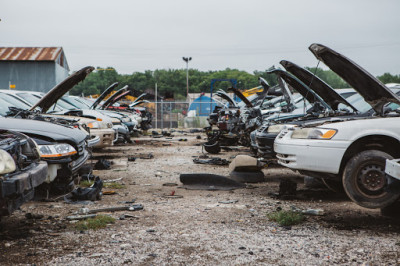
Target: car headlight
94 125
275 128
314 133
56 150
7 164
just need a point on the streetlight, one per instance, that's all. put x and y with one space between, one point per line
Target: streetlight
187 59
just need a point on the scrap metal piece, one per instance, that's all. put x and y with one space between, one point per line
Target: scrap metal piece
134 207
80 217
203 181
212 161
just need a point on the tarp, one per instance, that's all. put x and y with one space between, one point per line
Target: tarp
203 105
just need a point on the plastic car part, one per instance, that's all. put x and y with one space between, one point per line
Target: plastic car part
209 182
212 147
248 176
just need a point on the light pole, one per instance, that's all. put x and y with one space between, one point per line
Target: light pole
187 59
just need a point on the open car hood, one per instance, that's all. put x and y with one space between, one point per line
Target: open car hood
136 103
374 92
226 97
104 95
298 85
327 93
60 89
115 95
138 99
116 99
241 96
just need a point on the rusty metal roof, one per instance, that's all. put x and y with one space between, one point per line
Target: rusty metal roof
34 54
30 53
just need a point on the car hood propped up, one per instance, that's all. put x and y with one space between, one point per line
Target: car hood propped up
226 97
60 89
373 91
327 93
115 95
299 86
104 95
241 97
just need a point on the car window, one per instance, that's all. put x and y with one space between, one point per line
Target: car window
30 98
85 102
63 105
74 102
14 101
4 107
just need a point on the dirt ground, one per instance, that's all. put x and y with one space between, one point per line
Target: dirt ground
202 227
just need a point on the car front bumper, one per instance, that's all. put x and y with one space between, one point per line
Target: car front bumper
309 154
265 144
25 180
106 137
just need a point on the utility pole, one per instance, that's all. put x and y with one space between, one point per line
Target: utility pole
155 101
187 59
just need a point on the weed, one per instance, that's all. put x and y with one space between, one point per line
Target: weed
86 183
114 185
286 218
95 223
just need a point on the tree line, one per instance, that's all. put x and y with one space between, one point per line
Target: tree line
173 81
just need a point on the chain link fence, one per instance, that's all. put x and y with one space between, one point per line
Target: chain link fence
174 114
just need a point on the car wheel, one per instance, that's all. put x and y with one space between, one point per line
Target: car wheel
364 179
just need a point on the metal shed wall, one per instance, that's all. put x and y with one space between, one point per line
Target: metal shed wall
30 75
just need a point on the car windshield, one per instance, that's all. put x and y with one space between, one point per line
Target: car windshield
361 105
85 102
74 102
30 98
63 105
14 101
4 107
271 103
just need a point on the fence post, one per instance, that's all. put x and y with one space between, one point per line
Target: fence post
162 114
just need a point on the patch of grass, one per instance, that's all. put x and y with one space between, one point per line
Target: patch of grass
286 218
95 223
86 183
113 185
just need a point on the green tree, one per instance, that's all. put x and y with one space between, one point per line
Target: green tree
389 78
173 81
329 77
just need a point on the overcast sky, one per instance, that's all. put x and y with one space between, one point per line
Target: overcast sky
247 35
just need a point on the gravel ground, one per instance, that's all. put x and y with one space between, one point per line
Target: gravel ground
197 228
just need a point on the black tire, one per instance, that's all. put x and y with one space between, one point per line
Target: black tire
364 180
212 147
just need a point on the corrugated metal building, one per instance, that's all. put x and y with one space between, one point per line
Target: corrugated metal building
32 68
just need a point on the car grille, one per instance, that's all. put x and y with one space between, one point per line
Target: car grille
81 147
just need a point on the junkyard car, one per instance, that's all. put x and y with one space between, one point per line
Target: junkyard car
264 137
63 148
21 170
100 125
352 151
